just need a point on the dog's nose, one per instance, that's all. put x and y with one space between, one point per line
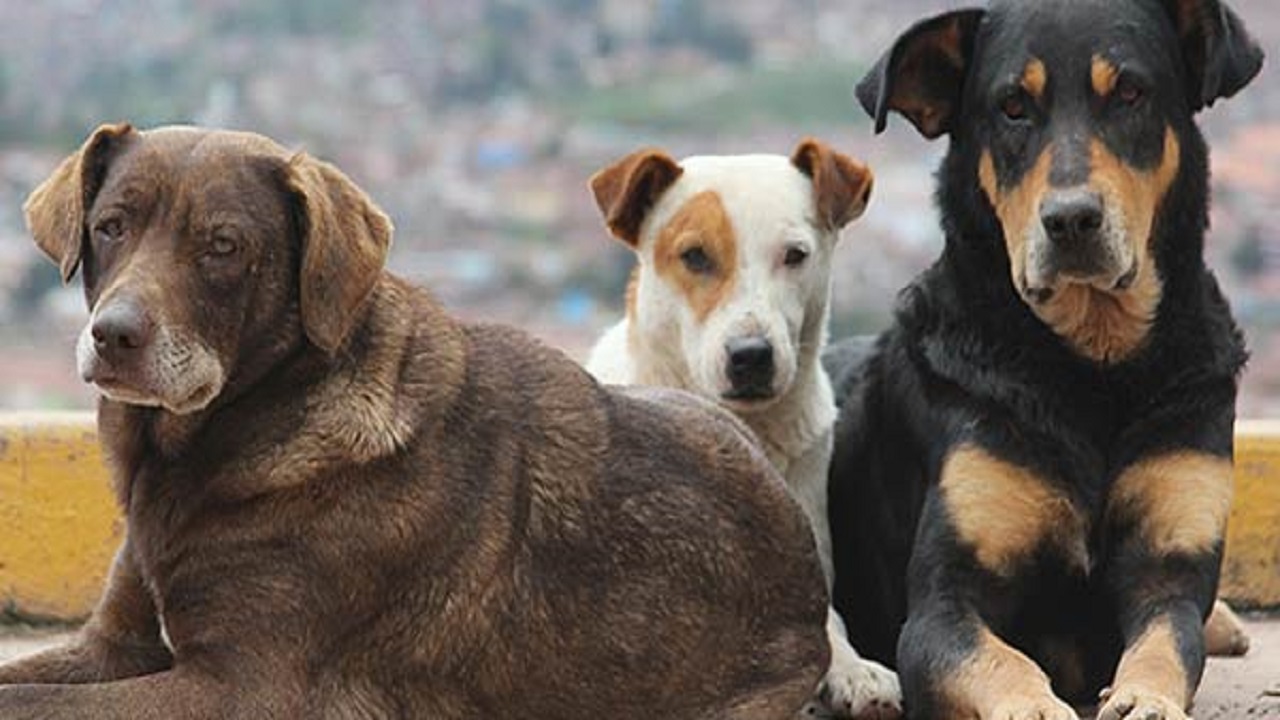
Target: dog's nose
1072 217
750 365
120 328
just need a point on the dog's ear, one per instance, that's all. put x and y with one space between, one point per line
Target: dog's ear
1218 54
841 185
626 190
345 240
922 76
55 210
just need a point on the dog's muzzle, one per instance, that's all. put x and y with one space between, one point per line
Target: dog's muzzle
1079 245
750 368
131 358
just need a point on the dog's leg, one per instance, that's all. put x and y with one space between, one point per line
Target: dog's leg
160 696
1224 633
121 639
854 687
1166 515
980 529
954 666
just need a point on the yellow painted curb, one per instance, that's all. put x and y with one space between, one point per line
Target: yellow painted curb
58 522
59 526
1251 570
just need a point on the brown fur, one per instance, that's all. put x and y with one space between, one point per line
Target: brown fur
1017 208
841 185
1224 633
928 113
1005 512
701 222
1034 78
998 681
1100 325
1150 677
428 519
626 190
1181 501
1104 75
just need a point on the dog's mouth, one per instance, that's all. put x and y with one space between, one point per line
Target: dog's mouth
749 395
177 376
1110 283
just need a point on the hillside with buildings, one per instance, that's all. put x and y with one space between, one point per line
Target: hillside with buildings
476 125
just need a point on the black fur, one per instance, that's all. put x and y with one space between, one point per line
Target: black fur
967 361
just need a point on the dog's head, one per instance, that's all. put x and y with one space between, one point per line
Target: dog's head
1075 118
734 259
207 257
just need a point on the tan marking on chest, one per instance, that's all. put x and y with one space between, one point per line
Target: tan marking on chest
1104 326
1004 512
701 223
1180 501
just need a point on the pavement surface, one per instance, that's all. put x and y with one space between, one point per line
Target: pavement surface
1244 688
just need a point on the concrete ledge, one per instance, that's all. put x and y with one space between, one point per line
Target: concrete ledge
59 525
1251 571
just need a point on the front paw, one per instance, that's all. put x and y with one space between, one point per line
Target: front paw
1044 708
859 689
1136 703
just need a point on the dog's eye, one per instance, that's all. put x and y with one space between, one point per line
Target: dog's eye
1129 92
795 257
1014 107
109 230
223 244
697 261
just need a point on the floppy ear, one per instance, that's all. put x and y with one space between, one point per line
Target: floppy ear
55 210
1219 56
841 185
626 190
345 239
922 75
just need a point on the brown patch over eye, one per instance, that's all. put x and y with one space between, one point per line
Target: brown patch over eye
1104 75
1034 78
697 253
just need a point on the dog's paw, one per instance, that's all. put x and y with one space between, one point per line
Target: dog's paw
1224 634
1136 703
858 689
1042 708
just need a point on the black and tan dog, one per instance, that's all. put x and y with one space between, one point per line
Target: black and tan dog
1046 432
342 503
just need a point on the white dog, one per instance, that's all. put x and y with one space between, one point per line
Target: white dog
729 300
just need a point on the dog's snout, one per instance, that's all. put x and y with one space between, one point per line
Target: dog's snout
119 328
750 366
1072 218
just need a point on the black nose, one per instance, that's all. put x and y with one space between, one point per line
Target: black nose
1072 217
750 366
119 328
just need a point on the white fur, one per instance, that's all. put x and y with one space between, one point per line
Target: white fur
175 371
771 206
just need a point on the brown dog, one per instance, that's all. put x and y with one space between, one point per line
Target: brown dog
342 503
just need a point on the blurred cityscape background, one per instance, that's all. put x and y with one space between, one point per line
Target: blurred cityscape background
476 123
